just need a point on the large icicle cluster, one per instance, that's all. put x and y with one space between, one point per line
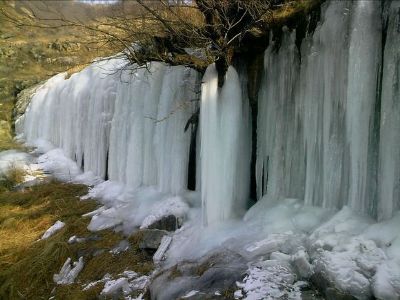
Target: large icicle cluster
225 147
318 124
328 120
126 125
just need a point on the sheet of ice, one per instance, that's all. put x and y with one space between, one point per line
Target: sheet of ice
69 271
52 230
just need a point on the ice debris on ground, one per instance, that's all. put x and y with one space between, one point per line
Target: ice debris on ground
270 280
125 284
159 255
74 239
69 271
128 283
53 229
190 294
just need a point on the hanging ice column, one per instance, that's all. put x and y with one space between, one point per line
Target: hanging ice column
148 143
142 143
225 147
389 171
75 114
317 119
364 60
301 131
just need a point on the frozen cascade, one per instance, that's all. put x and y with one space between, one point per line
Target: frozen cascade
225 147
75 114
316 124
277 123
364 59
126 125
319 135
148 143
389 171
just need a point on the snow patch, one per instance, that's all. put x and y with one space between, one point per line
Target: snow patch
53 229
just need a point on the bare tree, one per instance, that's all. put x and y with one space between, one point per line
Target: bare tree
193 33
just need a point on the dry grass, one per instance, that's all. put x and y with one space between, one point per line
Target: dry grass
27 265
292 9
6 138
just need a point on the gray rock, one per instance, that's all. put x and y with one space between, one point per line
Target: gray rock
168 223
24 97
151 239
328 289
214 272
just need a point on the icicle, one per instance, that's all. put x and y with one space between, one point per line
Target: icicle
75 114
133 121
364 58
224 180
389 191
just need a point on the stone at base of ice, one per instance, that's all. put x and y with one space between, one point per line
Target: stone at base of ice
301 261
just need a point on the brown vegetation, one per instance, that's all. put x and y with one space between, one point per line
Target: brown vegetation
27 264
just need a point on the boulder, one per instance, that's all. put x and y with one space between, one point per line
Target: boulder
168 223
151 239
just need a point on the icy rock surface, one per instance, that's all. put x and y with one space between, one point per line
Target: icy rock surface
269 280
172 206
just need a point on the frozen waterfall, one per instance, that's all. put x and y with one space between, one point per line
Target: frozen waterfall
126 125
318 122
327 129
225 147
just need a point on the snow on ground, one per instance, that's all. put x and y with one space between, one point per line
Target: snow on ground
13 158
17 160
270 279
357 254
53 229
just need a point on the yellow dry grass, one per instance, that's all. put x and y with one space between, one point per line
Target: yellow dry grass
27 264
291 9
